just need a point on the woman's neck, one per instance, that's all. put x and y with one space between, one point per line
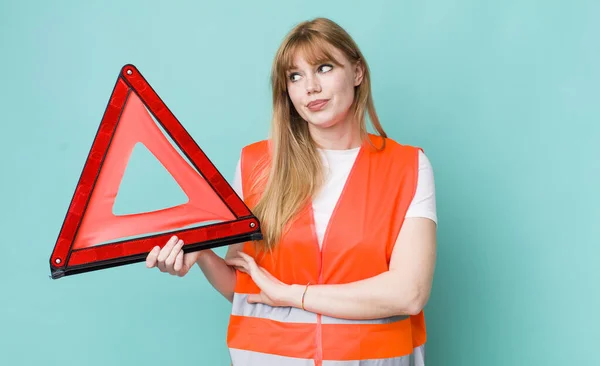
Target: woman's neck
337 137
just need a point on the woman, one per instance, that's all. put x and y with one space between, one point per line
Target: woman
348 218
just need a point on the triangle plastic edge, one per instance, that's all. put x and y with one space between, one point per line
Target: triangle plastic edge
247 226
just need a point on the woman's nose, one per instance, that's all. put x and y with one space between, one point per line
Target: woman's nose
312 85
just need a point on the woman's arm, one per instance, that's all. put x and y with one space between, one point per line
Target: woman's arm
220 275
403 290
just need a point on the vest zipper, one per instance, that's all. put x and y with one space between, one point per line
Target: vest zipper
319 356
319 360
319 252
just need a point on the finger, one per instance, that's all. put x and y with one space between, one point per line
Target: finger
243 255
178 262
256 272
238 263
235 261
152 256
254 298
170 261
250 264
248 259
165 251
241 269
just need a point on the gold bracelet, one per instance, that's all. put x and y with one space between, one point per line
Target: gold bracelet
304 294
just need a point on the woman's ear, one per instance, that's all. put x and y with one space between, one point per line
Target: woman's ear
359 72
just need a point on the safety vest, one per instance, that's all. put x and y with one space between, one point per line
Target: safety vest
357 245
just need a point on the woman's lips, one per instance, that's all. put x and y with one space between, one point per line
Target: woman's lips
318 104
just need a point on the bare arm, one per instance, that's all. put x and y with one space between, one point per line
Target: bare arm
218 273
402 290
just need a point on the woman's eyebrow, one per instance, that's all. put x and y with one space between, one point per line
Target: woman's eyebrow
318 63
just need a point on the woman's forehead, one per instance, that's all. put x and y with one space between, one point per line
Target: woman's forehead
312 54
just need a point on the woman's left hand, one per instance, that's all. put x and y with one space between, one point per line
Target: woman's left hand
273 291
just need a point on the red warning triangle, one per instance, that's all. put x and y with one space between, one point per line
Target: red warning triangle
92 237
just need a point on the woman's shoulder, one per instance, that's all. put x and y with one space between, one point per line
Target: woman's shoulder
257 147
255 155
399 153
394 146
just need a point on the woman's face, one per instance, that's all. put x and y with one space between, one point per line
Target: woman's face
322 94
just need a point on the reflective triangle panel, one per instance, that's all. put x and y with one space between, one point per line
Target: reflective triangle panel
94 237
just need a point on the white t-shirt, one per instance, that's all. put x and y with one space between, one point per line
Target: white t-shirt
338 164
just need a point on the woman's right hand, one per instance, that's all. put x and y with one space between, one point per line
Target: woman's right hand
171 258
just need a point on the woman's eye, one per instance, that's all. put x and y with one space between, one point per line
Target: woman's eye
325 68
294 77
